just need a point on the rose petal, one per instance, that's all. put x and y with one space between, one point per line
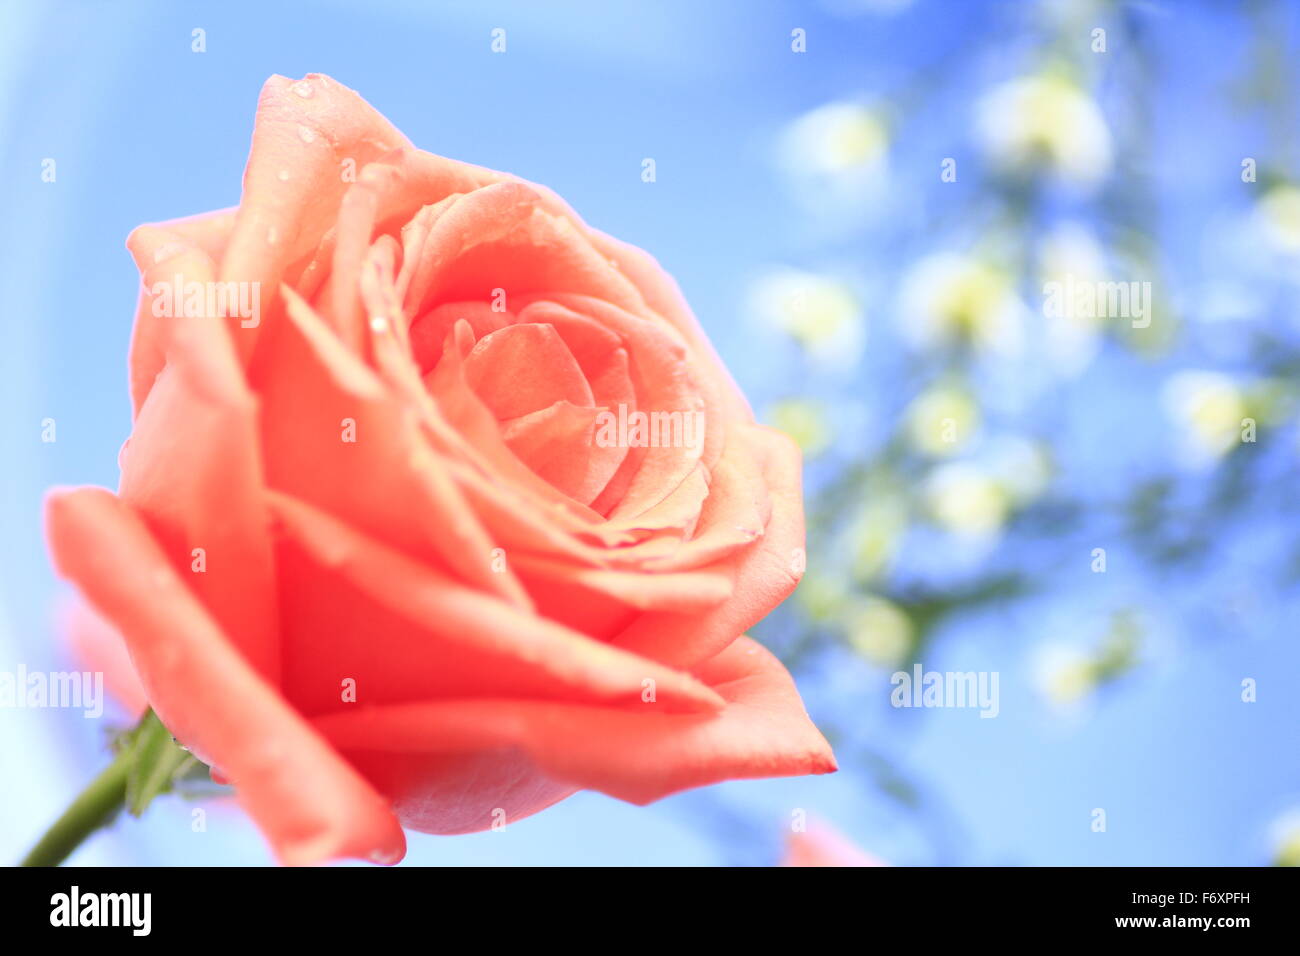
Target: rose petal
440 638
664 383
387 482
501 237
766 573
192 469
478 440
308 802
429 331
559 444
152 246
820 845
664 297
524 368
304 133
98 647
685 591
762 732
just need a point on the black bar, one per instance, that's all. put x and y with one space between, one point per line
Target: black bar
988 903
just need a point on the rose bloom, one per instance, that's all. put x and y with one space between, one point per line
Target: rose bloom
375 553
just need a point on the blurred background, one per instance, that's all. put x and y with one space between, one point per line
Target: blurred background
866 202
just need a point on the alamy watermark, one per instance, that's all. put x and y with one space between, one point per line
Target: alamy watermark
177 298
1087 299
637 429
133 911
922 688
71 690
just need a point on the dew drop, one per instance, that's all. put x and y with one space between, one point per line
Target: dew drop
306 133
283 175
304 89
272 235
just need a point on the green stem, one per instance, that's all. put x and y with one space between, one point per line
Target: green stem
95 807
148 762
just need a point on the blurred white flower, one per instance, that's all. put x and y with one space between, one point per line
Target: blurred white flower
1065 675
1278 216
820 312
836 159
966 500
877 533
1049 121
1072 336
941 420
1207 408
947 298
1070 248
1285 839
805 421
835 139
823 597
1069 675
1019 465
880 631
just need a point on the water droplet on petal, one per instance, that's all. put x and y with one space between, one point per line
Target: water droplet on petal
378 323
272 235
304 89
306 133
283 175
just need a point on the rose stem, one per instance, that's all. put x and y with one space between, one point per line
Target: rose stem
94 807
